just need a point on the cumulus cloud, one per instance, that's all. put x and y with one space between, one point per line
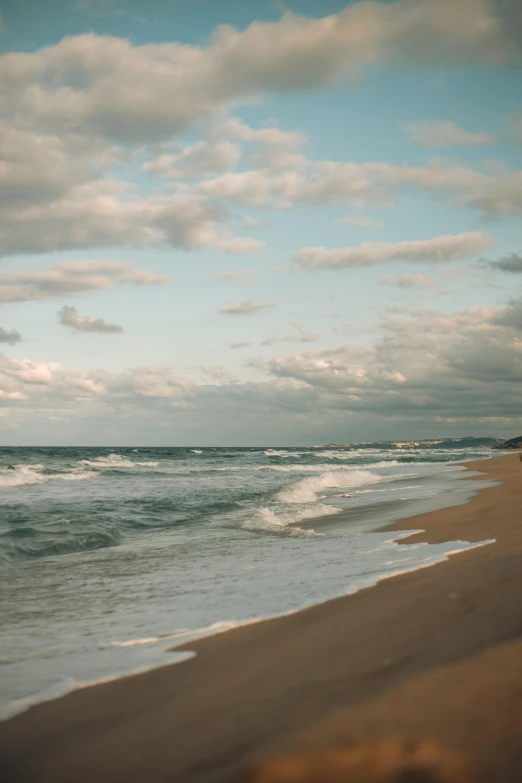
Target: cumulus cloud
36 166
410 281
419 362
12 337
247 307
96 100
196 160
56 197
431 251
68 316
274 148
53 385
446 134
324 182
108 87
55 194
511 263
108 213
424 366
72 277
493 190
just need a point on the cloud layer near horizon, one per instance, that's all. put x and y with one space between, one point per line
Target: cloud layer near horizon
411 372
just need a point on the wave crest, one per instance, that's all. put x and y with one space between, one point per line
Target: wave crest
23 475
115 461
308 489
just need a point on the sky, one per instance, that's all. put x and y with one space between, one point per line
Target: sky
230 223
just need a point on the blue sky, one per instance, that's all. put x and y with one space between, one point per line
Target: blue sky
306 224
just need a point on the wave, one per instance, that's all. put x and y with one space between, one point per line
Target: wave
115 461
308 489
300 468
268 521
99 539
196 451
277 453
23 475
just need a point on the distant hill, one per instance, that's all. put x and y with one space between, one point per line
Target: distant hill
513 443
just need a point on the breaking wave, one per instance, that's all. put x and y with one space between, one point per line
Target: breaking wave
270 521
23 475
307 490
115 461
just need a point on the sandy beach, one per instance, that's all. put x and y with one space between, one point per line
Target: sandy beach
436 653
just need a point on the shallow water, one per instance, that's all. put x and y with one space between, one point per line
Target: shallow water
109 558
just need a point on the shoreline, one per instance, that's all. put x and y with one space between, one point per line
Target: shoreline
364 520
282 675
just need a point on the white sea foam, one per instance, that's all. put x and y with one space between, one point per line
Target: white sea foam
196 451
115 461
276 453
182 633
285 521
320 467
23 475
308 489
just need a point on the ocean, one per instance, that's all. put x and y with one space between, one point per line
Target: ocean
110 557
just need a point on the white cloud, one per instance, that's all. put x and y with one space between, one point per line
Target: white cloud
411 281
197 160
105 86
275 148
72 277
325 182
247 307
432 251
446 134
411 372
36 167
493 190
108 213
419 362
69 316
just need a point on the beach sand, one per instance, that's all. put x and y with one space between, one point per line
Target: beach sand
434 654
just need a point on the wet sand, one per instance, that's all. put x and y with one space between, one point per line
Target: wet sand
434 653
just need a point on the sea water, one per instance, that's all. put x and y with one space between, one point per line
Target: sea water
109 558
